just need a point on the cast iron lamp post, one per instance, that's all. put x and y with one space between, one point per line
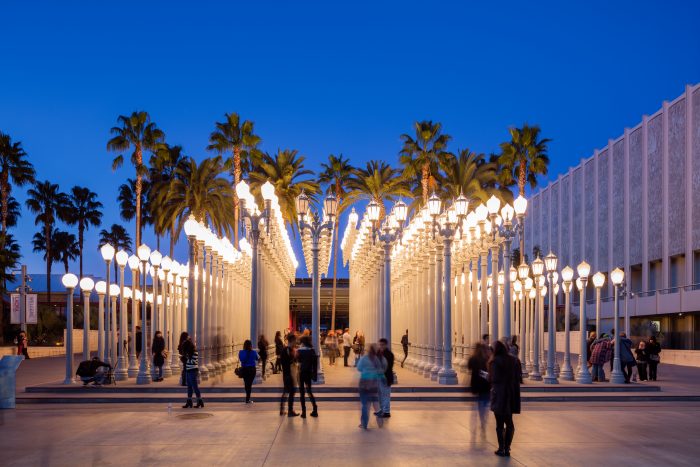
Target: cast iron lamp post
551 264
144 375
617 377
69 282
122 371
133 370
583 376
598 281
107 252
537 271
567 372
86 286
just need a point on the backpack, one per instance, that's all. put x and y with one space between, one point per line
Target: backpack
84 369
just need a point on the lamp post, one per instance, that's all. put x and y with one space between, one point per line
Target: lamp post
537 270
166 266
583 376
113 294
107 252
523 272
316 227
567 372
122 370
628 294
551 265
617 377
191 229
69 282
86 285
598 281
133 370
101 289
144 375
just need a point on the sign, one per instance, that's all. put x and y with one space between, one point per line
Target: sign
32 311
14 309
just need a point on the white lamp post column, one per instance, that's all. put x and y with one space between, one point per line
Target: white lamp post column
144 375
122 371
617 377
523 272
86 285
69 282
107 252
101 289
537 270
567 372
598 281
583 376
133 370
551 377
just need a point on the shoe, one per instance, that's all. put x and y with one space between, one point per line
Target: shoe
200 403
188 404
386 415
303 414
314 413
362 426
292 414
249 402
282 413
506 453
500 453
378 413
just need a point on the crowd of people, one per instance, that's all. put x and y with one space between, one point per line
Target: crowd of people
636 363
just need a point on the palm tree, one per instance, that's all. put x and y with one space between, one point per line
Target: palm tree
163 167
378 181
423 154
49 204
13 211
202 190
14 169
523 158
118 237
337 174
471 175
83 211
285 170
127 201
136 131
9 257
64 247
239 139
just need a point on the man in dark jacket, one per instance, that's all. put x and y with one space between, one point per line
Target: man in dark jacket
404 346
138 341
385 385
308 371
286 360
88 371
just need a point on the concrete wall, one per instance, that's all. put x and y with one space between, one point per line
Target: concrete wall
38 352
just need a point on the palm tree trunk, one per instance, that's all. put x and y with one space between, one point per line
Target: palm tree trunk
172 240
521 190
47 236
237 172
80 246
5 191
139 187
335 271
424 182
157 242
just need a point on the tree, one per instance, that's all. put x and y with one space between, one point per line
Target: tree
14 169
285 170
471 175
422 155
49 204
163 167
84 211
139 133
523 158
239 139
378 181
9 259
13 211
127 201
64 247
201 190
336 174
118 237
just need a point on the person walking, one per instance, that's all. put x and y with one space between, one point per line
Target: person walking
642 360
404 346
22 345
504 374
347 345
287 358
138 341
157 351
479 382
589 346
385 383
371 367
601 353
653 349
248 359
308 372
627 359
190 363
331 347
513 347
262 352
358 345
279 346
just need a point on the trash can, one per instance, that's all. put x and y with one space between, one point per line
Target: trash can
8 383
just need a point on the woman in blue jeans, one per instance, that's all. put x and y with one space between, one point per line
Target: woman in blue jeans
190 364
248 359
371 367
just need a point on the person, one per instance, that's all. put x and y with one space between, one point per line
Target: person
504 375
612 348
371 367
287 358
248 359
347 345
653 350
308 371
331 347
479 382
23 345
91 371
157 349
358 345
262 352
513 348
589 346
138 341
404 346
279 345
642 360
190 363
627 360
602 351
387 381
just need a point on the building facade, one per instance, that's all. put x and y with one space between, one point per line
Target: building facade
635 204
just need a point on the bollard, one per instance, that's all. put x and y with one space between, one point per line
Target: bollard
8 382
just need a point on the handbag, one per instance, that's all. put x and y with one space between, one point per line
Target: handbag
238 371
655 358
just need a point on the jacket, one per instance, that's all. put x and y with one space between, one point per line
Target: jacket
653 350
389 372
286 360
189 356
279 345
602 350
157 349
262 348
88 368
626 356
478 384
504 373
308 362
642 356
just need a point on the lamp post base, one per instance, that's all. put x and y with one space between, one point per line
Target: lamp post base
523 369
203 373
535 375
434 372
167 371
617 377
446 376
70 380
122 372
551 379
567 373
133 370
584 378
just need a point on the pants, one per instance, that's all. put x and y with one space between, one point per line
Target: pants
248 377
158 370
652 370
385 397
346 354
642 370
278 365
367 398
627 371
405 355
598 372
192 385
288 389
263 359
482 406
331 355
304 387
505 430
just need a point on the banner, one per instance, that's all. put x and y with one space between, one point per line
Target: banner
14 308
32 311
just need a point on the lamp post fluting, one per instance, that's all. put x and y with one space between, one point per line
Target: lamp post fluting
122 371
133 370
583 375
107 252
617 377
537 270
551 264
191 229
144 375
523 272
69 282
86 285
598 281
567 372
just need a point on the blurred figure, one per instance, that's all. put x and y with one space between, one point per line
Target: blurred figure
157 350
479 383
22 345
627 360
190 362
248 359
371 367
404 346
287 358
601 353
504 374
331 347
308 371
347 345
358 344
385 384
513 347
91 371
642 360
138 341
279 346
653 349
589 346
262 352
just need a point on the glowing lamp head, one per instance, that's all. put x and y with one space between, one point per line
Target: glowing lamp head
617 276
512 274
493 205
373 211
166 264
143 252
86 284
127 293
400 211
523 270
122 258
517 286
330 205
461 205
481 213
107 252
537 267
584 269
191 227
242 190
528 284
598 279
579 284
101 287
567 274
353 218
302 203
434 205
113 290
268 191
550 262
69 280
507 213
520 205
156 258
133 262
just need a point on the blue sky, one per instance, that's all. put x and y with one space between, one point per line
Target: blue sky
330 77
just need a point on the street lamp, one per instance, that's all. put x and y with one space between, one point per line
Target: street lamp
598 281
537 271
523 272
583 376
86 285
133 370
316 226
69 282
122 371
617 377
107 252
551 264
191 230
101 289
144 375
567 275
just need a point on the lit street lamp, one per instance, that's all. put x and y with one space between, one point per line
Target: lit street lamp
133 370
617 377
583 376
69 282
86 285
598 281
107 252
122 371
551 264
191 230
144 375
537 271
567 372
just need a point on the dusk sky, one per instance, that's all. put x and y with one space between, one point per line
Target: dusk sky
326 78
